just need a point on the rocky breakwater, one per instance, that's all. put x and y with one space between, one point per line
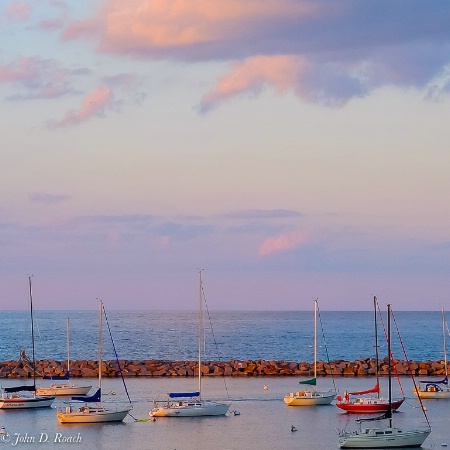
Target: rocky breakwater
233 368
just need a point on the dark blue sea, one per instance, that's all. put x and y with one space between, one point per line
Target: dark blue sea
269 335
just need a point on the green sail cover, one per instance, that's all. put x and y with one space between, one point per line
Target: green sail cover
311 382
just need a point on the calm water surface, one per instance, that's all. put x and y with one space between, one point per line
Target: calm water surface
264 423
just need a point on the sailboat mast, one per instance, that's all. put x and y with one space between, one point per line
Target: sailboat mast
444 332
200 335
100 362
389 411
32 333
315 339
68 346
376 344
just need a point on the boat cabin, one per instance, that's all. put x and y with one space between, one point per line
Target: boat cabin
380 432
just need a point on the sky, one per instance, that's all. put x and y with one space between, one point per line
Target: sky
292 149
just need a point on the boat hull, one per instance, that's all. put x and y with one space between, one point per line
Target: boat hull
89 414
18 402
386 438
309 398
191 410
438 394
434 395
63 390
369 406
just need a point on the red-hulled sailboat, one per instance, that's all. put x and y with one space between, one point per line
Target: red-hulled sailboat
368 401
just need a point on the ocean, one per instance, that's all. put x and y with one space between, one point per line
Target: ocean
173 335
264 421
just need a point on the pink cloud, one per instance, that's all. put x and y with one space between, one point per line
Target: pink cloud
151 26
88 28
329 83
282 72
51 24
21 69
345 59
114 237
95 104
18 10
39 78
48 199
282 242
58 4
165 241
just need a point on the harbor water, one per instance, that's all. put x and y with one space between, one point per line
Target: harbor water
264 421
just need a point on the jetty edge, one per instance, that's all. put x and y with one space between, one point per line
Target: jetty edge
232 368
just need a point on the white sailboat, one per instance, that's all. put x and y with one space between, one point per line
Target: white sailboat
191 404
64 389
24 397
310 396
436 389
100 412
388 437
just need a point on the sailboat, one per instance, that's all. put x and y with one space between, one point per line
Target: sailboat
16 397
436 389
370 402
310 396
191 404
100 412
63 388
388 437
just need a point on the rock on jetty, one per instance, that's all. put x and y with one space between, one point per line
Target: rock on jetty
233 368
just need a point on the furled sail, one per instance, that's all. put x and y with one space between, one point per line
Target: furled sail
66 376
184 394
19 388
444 381
375 389
311 382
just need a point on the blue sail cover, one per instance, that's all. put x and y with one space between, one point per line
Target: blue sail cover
97 397
66 376
444 381
184 394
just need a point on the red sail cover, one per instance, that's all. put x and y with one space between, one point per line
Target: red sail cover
369 391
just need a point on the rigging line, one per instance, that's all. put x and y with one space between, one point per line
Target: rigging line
326 347
137 420
448 332
40 341
26 363
391 356
409 369
346 416
214 339
33 367
32 332
117 358
38 332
